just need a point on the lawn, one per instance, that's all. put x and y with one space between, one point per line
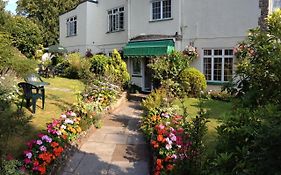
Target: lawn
60 94
215 111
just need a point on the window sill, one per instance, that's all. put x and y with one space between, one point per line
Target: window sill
219 83
159 20
137 76
115 31
71 36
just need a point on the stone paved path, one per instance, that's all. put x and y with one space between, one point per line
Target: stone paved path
118 148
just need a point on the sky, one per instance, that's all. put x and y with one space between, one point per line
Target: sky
11 6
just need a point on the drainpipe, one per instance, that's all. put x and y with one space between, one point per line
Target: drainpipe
180 23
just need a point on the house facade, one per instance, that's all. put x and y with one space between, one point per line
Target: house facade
143 29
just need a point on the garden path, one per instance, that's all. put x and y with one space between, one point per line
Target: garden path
118 148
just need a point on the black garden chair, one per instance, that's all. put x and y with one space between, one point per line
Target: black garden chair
29 94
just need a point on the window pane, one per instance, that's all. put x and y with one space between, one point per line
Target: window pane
217 52
121 9
228 68
156 10
276 4
207 52
167 9
136 66
217 69
208 68
121 20
228 52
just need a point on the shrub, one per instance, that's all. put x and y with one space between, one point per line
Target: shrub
258 72
11 167
192 81
156 99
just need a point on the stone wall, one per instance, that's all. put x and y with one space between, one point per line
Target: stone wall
264 6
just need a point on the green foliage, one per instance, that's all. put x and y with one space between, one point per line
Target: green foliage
169 67
11 58
26 35
248 143
75 67
192 81
11 167
259 71
155 100
45 13
113 68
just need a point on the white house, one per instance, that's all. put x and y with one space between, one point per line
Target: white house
148 28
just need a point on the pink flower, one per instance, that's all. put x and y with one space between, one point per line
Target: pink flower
43 148
47 138
27 161
173 137
161 126
39 142
40 135
168 146
174 156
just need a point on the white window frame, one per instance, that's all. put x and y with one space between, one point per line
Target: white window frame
161 10
213 56
271 7
71 26
115 23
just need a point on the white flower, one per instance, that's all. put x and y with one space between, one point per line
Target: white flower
168 146
63 127
63 116
68 121
72 114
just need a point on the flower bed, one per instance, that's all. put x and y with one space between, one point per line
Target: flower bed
176 142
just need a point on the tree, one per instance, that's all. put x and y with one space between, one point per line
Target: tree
26 35
259 61
46 14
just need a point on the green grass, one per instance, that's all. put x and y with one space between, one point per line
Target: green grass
60 95
215 110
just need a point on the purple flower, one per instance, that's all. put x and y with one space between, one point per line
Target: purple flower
43 148
39 142
47 138
28 155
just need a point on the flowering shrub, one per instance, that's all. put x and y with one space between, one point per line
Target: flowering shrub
171 144
48 147
41 153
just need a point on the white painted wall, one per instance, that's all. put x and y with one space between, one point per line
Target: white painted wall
74 43
140 19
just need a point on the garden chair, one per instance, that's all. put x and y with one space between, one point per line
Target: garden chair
29 94
33 77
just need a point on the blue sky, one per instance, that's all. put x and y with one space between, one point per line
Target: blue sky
11 6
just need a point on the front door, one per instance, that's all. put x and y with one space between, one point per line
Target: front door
147 76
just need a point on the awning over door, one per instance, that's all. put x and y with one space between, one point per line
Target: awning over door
149 48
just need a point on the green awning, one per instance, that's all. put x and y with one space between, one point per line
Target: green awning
149 48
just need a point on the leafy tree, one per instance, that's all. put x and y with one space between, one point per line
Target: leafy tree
46 14
259 71
26 35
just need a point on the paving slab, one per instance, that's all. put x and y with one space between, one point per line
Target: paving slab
74 161
116 138
91 164
130 153
136 139
111 130
125 168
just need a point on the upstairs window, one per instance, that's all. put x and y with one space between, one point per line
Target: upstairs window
71 26
218 64
115 19
161 9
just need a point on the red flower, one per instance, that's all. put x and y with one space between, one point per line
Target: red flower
54 144
160 138
42 169
58 151
170 167
35 163
157 173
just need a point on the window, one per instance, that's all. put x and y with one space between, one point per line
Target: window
116 19
275 4
218 64
71 26
136 66
161 9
